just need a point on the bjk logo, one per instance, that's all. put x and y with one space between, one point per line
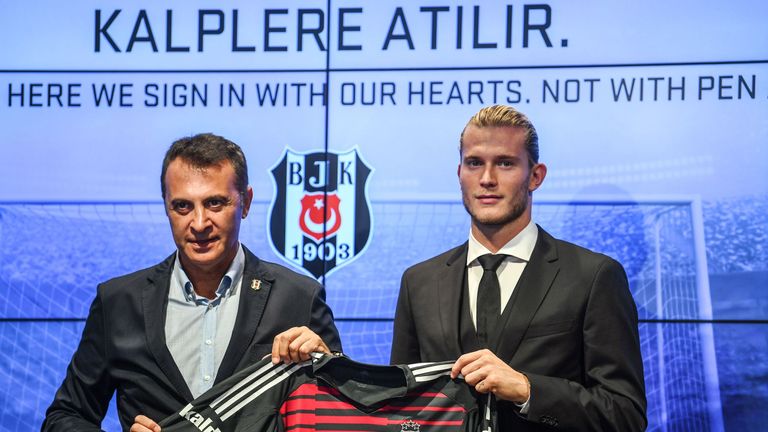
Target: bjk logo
320 215
320 218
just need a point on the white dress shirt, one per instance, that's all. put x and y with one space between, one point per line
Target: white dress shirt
519 250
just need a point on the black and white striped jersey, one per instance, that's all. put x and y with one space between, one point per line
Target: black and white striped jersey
336 393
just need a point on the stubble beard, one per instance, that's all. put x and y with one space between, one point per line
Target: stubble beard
519 206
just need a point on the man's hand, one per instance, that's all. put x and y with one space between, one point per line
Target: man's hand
296 344
489 374
144 424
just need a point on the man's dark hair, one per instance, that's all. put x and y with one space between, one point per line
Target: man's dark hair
205 150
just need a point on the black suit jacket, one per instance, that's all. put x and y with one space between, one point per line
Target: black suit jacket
123 345
571 327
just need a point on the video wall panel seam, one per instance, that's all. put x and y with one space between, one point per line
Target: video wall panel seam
390 69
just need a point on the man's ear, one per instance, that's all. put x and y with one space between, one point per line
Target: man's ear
538 172
247 198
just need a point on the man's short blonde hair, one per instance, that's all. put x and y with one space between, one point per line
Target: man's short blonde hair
506 116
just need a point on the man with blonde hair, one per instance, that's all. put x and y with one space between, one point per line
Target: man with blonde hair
547 327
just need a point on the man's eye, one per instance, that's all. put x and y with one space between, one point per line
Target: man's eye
474 163
181 207
215 203
505 163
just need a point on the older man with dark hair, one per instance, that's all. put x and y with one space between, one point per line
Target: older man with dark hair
164 335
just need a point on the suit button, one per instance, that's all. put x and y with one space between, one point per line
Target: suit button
549 420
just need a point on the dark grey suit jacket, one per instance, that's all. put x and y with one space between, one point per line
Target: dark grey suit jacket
123 345
570 326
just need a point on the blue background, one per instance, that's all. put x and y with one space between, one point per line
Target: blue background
673 185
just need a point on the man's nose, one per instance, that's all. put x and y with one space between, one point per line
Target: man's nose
488 177
200 220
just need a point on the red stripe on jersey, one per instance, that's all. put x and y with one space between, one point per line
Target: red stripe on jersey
302 418
428 394
312 429
423 408
381 421
358 419
431 422
307 404
341 405
299 411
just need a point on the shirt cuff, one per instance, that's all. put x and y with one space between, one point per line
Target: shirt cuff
523 406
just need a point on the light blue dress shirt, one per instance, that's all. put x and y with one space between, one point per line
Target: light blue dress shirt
198 330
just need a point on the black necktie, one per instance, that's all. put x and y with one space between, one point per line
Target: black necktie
488 297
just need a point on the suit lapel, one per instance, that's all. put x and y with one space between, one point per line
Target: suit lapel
155 304
255 288
529 292
448 292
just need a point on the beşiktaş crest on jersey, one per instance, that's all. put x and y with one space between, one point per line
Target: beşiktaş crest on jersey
320 218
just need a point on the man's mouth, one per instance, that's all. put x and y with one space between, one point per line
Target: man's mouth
488 198
203 243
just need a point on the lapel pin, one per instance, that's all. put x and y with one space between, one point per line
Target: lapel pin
256 284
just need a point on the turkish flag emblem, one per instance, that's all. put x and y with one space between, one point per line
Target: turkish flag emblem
320 213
